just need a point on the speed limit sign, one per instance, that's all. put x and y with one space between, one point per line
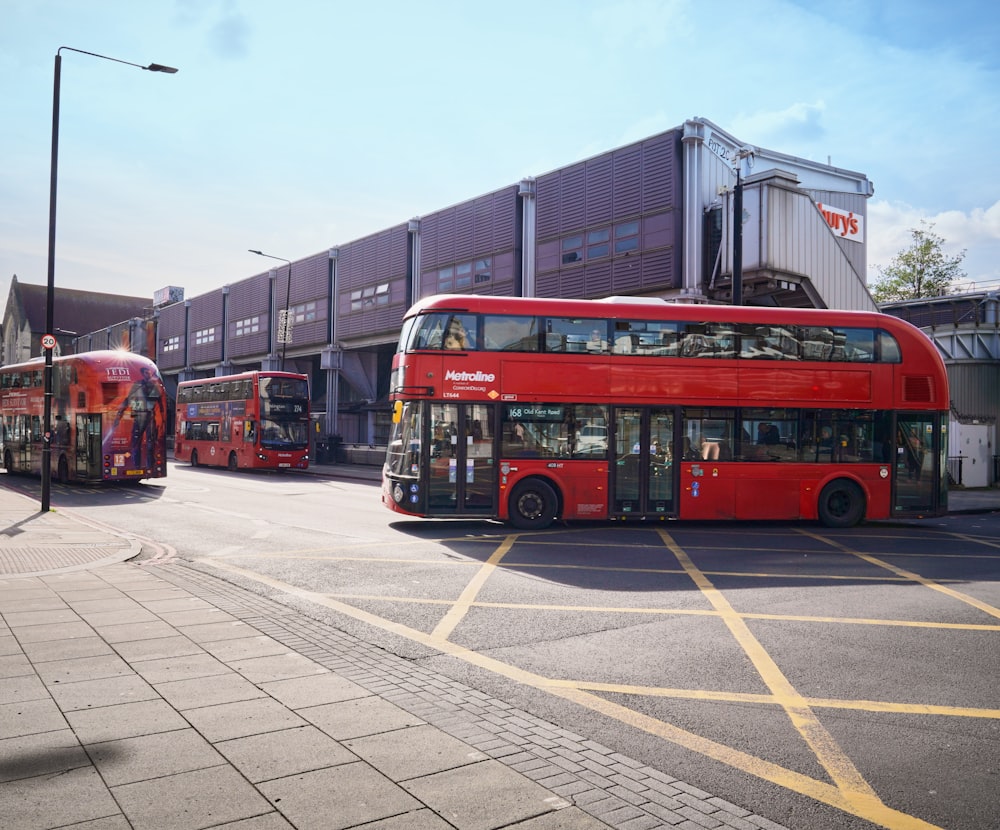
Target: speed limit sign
48 341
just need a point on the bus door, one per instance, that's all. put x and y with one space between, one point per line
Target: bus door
644 475
918 466
462 471
88 446
29 426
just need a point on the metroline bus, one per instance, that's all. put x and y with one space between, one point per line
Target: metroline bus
253 420
529 410
109 415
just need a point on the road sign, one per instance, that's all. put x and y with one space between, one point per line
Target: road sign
48 341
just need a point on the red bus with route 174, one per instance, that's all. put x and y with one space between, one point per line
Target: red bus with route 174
109 416
532 410
253 420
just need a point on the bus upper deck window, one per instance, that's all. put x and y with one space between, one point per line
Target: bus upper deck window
428 332
460 332
888 348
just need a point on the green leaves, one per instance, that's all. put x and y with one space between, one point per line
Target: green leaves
922 270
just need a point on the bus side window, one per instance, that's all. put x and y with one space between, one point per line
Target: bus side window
430 331
461 333
888 348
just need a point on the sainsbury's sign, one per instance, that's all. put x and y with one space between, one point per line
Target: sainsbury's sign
844 223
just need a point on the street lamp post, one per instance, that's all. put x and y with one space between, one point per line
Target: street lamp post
284 324
50 292
738 226
738 240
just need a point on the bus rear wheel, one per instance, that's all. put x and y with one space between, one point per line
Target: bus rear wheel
63 473
841 504
533 505
8 462
233 464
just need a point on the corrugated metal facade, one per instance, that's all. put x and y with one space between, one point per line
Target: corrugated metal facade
362 268
975 390
171 330
586 214
206 328
310 301
471 247
855 204
785 237
249 314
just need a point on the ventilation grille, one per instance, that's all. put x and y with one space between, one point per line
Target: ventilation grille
918 388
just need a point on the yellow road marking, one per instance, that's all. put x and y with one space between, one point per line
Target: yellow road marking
770 700
827 751
317 555
869 808
680 612
934 585
865 806
461 607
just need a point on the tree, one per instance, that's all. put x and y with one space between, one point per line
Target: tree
922 270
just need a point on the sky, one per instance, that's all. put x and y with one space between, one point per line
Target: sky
298 126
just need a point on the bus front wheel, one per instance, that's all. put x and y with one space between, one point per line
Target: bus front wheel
233 464
841 504
533 505
194 458
63 474
8 462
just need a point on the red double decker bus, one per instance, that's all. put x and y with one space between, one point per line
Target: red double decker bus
253 420
109 416
529 410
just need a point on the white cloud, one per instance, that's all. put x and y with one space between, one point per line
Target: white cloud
797 122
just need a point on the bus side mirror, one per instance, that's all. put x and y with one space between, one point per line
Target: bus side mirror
397 412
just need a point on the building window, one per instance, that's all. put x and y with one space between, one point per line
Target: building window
172 344
303 313
251 325
204 336
446 280
483 270
598 243
572 249
626 237
382 294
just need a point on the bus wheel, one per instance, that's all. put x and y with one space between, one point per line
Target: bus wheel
194 458
841 504
233 465
533 505
63 474
8 462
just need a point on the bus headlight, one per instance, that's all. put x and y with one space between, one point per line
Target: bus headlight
397 493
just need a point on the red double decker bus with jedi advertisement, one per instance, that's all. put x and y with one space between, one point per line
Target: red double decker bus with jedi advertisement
532 410
249 421
109 417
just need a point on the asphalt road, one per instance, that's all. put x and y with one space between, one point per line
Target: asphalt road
826 679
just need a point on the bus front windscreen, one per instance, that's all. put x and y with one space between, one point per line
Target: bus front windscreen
284 413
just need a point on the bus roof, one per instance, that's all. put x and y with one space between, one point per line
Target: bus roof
243 376
649 308
98 357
